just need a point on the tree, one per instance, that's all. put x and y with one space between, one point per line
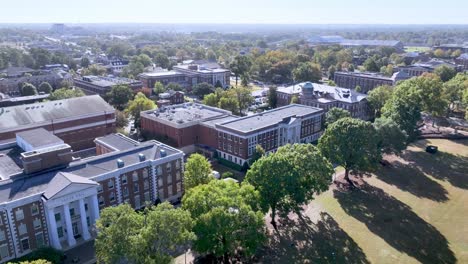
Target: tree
158 88
391 139
133 69
197 171
331 83
335 114
144 59
243 96
227 217
439 53
94 69
44 87
331 72
139 104
126 236
272 99
211 100
162 60
66 93
240 66
445 72
294 99
117 240
352 144
378 97
307 72
37 261
218 84
289 178
429 87
85 62
453 89
28 89
174 86
121 119
120 95
371 65
202 89
229 103
257 154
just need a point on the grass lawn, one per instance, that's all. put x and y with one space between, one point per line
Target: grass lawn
416 49
415 211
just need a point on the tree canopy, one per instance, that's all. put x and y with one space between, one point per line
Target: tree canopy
119 96
445 72
28 89
351 143
65 93
139 104
272 99
335 114
44 87
197 171
289 178
378 97
202 89
391 139
257 154
307 72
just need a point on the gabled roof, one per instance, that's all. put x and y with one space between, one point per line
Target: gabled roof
63 181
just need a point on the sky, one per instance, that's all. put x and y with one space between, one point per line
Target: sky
236 11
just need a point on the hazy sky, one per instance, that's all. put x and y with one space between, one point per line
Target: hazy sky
236 11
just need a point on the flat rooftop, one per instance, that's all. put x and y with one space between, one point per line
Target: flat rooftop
118 141
187 113
161 74
106 81
15 117
268 118
325 93
365 75
39 137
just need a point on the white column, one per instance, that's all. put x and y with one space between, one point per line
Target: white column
94 208
54 239
71 240
84 224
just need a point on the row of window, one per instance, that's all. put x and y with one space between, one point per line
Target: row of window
19 213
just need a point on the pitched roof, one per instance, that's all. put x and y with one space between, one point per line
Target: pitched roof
63 180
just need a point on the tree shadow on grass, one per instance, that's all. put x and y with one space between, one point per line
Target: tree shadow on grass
441 165
397 224
410 179
302 241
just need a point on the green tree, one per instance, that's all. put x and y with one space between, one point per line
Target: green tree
243 96
28 89
211 100
227 218
378 97
202 89
332 83
391 139
94 69
158 88
240 66
335 114
121 119
229 103
371 65
257 154
162 60
439 53
351 143
120 95
133 69
44 87
445 72
289 178
65 93
307 72
174 86
139 104
197 171
144 59
331 72
272 99
453 89
431 91
294 99
85 62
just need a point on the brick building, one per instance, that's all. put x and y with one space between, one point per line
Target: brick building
418 69
366 80
463 61
77 121
102 85
195 127
325 97
170 98
50 197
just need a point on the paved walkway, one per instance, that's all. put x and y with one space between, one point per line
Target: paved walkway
81 254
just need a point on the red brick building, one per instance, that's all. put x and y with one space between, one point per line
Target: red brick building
77 121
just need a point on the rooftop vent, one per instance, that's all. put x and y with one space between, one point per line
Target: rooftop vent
120 163
163 153
141 157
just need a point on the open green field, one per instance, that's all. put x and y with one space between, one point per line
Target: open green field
415 211
416 49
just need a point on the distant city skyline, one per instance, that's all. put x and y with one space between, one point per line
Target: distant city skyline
243 12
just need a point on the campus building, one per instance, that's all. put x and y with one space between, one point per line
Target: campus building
418 69
195 127
367 80
325 97
102 85
170 97
463 61
77 121
49 196
189 75
352 43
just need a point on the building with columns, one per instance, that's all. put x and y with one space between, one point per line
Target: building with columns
51 196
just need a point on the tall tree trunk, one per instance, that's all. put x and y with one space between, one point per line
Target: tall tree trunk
273 215
225 256
346 176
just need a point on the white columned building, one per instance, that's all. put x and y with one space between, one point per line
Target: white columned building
72 208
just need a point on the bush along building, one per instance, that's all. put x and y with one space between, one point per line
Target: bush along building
51 197
325 97
216 133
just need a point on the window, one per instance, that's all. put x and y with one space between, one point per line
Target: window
169 191
145 173
146 185
136 187
159 170
86 207
4 252
72 212
135 176
179 187
147 197
101 200
2 235
177 164
57 217
137 201
88 221
34 209
160 181
19 214
178 175
99 188
124 179
37 223
112 197
22 229
169 167
60 231
169 179
39 240
110 184
25 244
